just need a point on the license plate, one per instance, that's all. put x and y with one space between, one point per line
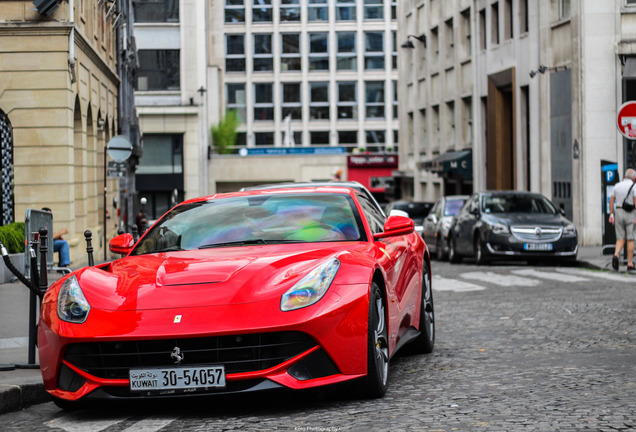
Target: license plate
190 378
537 246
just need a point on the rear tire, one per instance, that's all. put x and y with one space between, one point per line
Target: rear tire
439 251
426 340
374 385
453 257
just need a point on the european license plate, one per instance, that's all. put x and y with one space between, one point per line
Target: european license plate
537 246
190 378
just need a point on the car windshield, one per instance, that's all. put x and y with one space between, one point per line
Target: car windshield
517 204
453 206
261 219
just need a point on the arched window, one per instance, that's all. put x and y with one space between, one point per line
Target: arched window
6 153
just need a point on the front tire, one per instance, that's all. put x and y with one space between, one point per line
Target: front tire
439 250
480 254
374 385
426 340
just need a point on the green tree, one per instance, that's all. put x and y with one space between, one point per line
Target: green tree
224 134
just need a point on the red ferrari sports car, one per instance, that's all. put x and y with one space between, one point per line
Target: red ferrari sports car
281 288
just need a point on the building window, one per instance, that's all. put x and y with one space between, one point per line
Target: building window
494 23
347 53
523 16
373 9
450 41
263 56
158 70
629 2
319 100
394 54
289 10
347 100
467 121
465 34
374 99
234 11
482 29
436 128
318 51
394 10
508 19
424 132
154 11
264 139
348 139
318 10
319 138
564 9
235 97
291 100
262 11
235 53
290 59
163 155
435 45
373 50
450 124
395 99
345 10
263 102
376 140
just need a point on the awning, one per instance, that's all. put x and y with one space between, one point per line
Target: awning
458 163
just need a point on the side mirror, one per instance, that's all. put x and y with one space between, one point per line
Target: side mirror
122 244
432 218
396 226
474 211
562 212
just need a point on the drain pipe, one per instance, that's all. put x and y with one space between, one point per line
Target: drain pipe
71 41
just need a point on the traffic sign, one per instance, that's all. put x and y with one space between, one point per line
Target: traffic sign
116 169
119 148
627 120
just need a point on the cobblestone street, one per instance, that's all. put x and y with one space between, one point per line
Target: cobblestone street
549 353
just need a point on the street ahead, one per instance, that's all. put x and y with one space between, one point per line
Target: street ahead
519 348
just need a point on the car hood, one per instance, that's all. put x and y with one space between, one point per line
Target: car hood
210 277
534 219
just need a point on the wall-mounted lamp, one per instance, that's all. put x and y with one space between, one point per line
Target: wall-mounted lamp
543 69
408 44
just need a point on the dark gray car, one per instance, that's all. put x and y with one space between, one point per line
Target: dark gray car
511 224
438 222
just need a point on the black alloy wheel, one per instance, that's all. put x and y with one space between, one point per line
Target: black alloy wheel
426 340
480 254
439 251
374 385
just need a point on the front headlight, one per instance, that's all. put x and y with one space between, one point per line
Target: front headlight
499 228
72 306
311 288
569 231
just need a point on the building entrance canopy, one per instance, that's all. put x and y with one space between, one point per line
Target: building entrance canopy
451 163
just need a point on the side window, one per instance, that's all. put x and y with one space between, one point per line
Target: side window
373 214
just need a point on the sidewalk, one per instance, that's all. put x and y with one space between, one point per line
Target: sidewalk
21 386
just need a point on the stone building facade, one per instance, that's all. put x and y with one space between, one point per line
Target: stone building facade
59 100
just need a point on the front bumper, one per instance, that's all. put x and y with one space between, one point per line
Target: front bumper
333 346
509 246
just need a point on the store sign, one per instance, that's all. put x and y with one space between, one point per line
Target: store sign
373 161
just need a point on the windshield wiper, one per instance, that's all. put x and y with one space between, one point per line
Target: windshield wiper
234 243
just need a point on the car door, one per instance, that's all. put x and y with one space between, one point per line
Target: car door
466 221
430 225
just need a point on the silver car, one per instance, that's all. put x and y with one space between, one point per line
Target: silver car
438 222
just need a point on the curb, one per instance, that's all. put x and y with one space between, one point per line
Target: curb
16 397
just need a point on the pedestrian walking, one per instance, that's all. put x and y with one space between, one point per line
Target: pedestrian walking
61 246
622 215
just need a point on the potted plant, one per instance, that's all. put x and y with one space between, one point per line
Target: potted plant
12 237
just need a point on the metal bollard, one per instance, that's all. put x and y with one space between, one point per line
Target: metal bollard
44 282
135 233
88 235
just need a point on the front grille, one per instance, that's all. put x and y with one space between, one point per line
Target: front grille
238 353
536 234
